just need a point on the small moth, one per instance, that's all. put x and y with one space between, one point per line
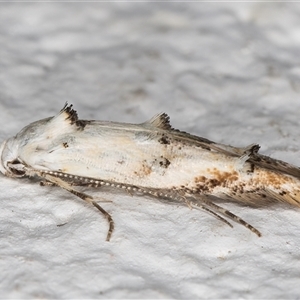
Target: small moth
150 158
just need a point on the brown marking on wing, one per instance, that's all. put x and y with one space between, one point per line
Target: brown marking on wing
144 170
266 178
206 185
224 177
164 140
275 165
281 187
218 178
262 188
200 179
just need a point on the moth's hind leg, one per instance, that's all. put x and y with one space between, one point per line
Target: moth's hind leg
192 203
51 180
203 201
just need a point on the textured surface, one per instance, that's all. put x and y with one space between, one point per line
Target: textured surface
228 72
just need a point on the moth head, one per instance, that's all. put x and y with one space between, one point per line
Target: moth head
10 165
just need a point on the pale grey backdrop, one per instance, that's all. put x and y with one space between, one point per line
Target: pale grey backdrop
228 72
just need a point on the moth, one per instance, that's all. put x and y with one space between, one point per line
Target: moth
151 158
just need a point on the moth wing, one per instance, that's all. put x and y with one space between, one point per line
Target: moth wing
251 151
67 121
275 165
260 160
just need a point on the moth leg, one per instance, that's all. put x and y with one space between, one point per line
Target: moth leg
83 196
198 205
129 192
226 213
181 198
102 199
47 183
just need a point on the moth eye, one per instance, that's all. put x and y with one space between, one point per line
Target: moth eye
16 167
17 172
15 162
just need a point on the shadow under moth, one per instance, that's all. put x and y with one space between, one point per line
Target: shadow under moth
151 158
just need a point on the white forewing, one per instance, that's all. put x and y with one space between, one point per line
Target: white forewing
131 154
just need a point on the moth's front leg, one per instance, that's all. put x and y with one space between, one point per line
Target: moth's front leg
47 183
51 180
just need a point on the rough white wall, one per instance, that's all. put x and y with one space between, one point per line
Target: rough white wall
228 72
